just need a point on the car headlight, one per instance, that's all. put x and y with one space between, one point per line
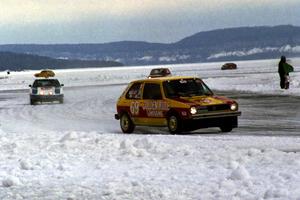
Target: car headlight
233 106
193 110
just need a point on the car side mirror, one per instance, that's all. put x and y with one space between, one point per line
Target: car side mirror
62 85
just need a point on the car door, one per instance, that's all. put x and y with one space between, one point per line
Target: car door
153 106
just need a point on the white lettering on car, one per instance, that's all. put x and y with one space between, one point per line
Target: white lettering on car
156 105
155 108
154 113
134 107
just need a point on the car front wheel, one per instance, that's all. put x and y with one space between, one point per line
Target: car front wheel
126 124
174 124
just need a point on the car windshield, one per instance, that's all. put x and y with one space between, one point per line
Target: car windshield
46 83
185 88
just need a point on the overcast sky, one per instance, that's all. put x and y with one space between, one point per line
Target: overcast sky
99 21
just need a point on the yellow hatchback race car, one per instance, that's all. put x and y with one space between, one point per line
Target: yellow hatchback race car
180 103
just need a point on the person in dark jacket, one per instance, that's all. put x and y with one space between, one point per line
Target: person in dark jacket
282 73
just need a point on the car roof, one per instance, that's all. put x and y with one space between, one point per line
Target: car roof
44 79
160 68
165 78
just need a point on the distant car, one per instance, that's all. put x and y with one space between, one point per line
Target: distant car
180 103
159 72
229 66
46 90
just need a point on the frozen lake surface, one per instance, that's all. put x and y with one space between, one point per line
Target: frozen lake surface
76 150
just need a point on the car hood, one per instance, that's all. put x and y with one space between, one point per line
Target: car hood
204 100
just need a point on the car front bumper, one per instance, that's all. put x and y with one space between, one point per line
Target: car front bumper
46 98
210 115
212 120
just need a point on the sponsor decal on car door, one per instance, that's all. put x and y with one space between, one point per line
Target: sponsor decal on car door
152 107
155 108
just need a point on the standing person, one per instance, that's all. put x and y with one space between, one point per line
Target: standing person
284 69
281 72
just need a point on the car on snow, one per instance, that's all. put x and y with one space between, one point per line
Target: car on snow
159 72
179 103
229 66
46 89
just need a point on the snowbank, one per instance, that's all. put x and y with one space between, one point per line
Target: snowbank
89 165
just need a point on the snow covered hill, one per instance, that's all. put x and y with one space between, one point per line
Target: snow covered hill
240 43
76 150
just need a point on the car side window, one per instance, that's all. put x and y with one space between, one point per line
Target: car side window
152 91
134 92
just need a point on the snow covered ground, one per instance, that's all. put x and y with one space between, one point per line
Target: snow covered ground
76 150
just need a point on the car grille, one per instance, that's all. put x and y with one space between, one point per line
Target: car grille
218 107
213 108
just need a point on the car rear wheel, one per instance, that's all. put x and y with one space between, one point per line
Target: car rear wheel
174 124
126 124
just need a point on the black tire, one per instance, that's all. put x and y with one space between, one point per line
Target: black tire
61 101
174 124
126 123
226 129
